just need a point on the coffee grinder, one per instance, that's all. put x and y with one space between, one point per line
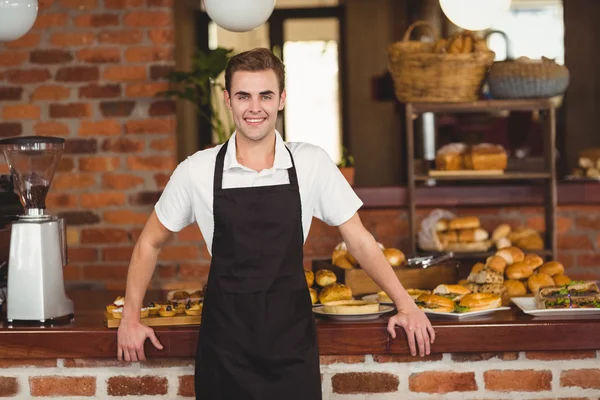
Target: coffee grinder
37 254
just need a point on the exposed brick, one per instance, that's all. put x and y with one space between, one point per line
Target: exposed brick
123 4
23 76
196 271
10 129
73 181
364 382
103 235
518 380
50 57
574 242
9 386
51 128
47 386
167 144
31 39
99 164
161 180
178 253
110 254
186 386
190 233
148 19
588 260
26 362
148 54
72 272
9 93
97 20
123 145
162 108
560 355
21 111
167 271
77 74
144 198
117 108
167 362
134 234
51 92
128 73
137 386
72 39
105 127
12 58
45 21
158 72
398 358
162 36
151 163
563 224
151 126
72 236
45 4
160 3
72 110
121 181
584 378
145 89
328 360
442 382
99 91
94 363
126 217
123 37
60 200
66 164
81 146
75 218
80 5
99 55
96 200
82 254
105 272
470 357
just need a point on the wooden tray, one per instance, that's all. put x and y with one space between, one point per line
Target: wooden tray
466 172
180 319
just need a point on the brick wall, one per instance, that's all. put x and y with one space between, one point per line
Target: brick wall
530 375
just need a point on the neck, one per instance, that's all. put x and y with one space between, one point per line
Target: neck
256 154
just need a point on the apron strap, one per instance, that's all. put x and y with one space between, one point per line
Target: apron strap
292 171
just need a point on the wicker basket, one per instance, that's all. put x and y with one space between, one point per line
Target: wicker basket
420 75
520 80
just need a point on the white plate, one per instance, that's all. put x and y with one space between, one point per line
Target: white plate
354 317
374 297
465 314
527 304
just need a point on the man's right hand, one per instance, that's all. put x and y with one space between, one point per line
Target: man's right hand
130 340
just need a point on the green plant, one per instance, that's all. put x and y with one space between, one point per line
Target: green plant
200 86
347 159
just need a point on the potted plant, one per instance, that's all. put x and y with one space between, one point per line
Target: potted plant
346 165
200 86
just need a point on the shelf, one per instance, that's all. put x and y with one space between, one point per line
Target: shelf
505 176
479 255
484 105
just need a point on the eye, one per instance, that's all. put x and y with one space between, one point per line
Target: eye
243 97
266 97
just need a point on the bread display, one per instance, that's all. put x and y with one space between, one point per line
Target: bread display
350 307
342 258
480 157
589 164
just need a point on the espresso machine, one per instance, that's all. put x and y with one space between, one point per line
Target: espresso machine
37 251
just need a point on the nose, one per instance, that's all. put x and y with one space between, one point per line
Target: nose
255 104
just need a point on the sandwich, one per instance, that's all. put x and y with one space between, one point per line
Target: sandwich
452 292
432 302
479 302
571 302
415 293
575 289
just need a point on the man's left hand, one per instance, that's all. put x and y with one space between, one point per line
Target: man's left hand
418 329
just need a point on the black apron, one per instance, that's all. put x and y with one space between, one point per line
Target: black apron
257 336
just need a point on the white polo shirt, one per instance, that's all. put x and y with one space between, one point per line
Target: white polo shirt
324 192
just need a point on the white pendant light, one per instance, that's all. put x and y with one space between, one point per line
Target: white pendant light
239 15
474 15
16 18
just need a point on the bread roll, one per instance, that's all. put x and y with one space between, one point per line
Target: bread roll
478 267
448 237
340 259
441 225
496 263
515 288
538 281
432 302
464 223
519 270
313 295
395 257
495 288
468 247
310 277
560 280
325 277
520 233
511 254
488 275
472 235
500 232
335 292
533 242
481 301
415 293
534 260
552 268
351 307
503 243
473 287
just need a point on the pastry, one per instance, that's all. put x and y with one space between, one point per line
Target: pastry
496 263
144 312
519 270
313 295
449 157
534 260
472 235
351 307
180 295
117 313
515 288
153 308
193 308
325 277
335 292
552 268
310 277
394 256
500 232
166 311
464 223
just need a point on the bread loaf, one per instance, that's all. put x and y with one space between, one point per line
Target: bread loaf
472 235
464 223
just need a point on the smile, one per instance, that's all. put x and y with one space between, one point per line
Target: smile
254 121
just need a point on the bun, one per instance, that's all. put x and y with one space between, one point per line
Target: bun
180 295
519 270
481 301
478 267
487 156
453 292
538 281
500 232
473 287
335 292
515 288
448 237
552 268
496 263
472 235
534 260
503 243
511 254
441 225
464 223
449 157
415 293
394 256
313 295
484 245
383 297
350 307
561 280
310 277
495 288
325 277
342 259
488 275
432 302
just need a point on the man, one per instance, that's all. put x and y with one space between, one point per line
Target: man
253 199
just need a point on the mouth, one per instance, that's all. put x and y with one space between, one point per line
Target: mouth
254 121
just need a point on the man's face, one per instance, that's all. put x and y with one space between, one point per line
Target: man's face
254 102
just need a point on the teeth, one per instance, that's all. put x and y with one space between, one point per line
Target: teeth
254 120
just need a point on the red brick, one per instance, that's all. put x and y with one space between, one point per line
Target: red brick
588 222
12 58
186 386
584 378
560 355
160 3
105 127
121 181
104 235
162 108
195 271
397 358
151 163
154 126
80 5
60 200
51 128
95 200
148 54
167 144
588 260
117 108
122 4
77 74
118 285
21 111
364 382
167 271
162 36
72 110
82 254
178 253
9 386
45 4
190 233
48 386
563 224
66 164
518 380
99 55
328 360
125 73
168 362
72 273
144 198
161 180
442 382
10 93
574 242
149 19
158 72
23 76
73 181
94 363
137 386
126 217
122 37
45 21
105 272
470 357
26 362
50 92
96 20
81 146
72 39
10 129
145 89
117 254
31 39
99 164
123 145
99 91
50 57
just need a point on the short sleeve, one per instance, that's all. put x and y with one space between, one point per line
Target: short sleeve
174 207
336 201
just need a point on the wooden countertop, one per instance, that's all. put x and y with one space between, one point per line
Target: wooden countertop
509 330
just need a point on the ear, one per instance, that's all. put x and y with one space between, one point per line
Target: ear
227 99
282 100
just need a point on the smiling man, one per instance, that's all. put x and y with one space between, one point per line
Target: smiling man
254 198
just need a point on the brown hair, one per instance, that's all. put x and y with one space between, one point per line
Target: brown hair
259 59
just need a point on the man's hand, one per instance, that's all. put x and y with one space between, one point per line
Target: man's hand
417 327
131 337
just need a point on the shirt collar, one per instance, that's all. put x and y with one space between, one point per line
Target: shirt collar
282 157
